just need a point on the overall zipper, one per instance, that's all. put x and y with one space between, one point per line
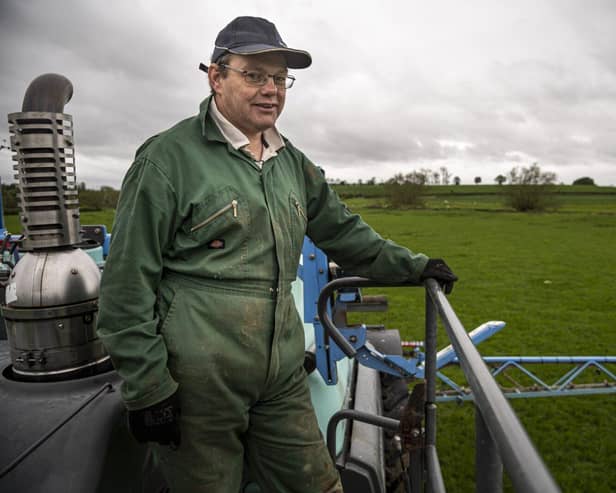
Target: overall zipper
300 210
232 205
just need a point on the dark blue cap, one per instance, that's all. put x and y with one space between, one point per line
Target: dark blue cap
253 35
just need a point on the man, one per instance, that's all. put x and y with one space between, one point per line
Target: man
196 307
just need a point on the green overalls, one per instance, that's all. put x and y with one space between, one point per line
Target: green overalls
196 296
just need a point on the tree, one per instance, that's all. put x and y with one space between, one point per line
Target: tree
529 188
585 180
426 173
406 190
477 180
531 176
500 179
457 180
445 175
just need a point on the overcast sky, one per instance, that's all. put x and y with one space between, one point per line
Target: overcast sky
476 86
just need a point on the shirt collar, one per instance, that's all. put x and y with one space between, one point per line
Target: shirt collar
271 138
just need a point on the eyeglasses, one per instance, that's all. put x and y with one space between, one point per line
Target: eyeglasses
256 78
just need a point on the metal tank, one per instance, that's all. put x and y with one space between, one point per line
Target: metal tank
51 298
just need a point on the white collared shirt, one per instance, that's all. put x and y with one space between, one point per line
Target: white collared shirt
272 141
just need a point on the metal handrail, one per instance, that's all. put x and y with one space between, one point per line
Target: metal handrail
354 415
326 321
526 469
498 428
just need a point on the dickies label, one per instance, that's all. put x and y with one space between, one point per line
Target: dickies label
217 244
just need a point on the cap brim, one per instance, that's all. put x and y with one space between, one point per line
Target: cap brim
295 58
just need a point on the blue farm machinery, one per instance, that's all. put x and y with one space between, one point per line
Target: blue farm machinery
63 424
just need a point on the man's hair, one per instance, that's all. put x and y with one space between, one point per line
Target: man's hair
222 60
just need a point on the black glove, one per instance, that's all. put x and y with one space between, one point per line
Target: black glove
157 423
437 269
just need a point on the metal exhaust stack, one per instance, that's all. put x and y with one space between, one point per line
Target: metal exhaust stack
52 295
42 138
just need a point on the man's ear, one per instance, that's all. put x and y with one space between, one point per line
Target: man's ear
214 75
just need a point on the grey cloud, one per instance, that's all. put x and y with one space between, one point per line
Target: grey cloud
593 24
444 74
98 37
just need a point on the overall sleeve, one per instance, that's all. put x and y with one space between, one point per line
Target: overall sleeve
127 322
352 243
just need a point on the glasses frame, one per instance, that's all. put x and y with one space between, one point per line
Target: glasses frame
288 83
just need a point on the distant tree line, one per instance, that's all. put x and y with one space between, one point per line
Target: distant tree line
96 200
501 179
427 176
528 188
89 200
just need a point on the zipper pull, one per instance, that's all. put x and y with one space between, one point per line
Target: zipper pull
234 205
299 210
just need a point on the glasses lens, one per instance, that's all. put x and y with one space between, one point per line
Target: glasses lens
280 80
255 78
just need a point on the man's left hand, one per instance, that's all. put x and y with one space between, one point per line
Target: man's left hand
437 269
157 423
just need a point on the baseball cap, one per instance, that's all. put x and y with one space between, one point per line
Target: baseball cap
252 35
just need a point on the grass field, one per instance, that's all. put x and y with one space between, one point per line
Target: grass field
550 277
583 199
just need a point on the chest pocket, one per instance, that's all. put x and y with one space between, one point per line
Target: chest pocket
298 224
218 228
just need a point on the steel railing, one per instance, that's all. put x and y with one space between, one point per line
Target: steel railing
500 437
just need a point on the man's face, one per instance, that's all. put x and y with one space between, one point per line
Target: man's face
252 109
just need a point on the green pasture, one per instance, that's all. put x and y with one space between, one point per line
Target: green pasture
549 276
583 199
378 190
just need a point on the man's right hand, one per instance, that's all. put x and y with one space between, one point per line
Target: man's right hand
437 269
157 423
